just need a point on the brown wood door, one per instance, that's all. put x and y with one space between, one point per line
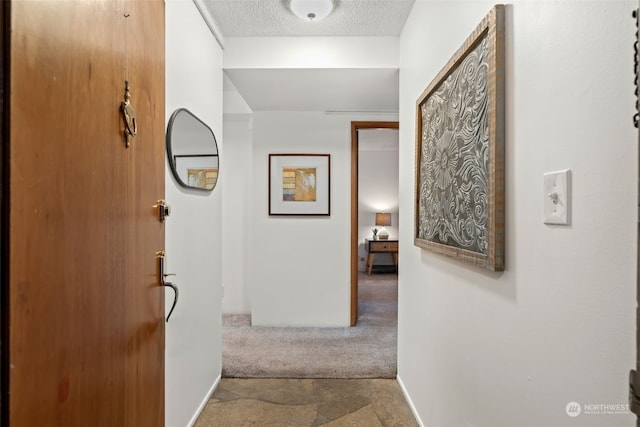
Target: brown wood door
84 330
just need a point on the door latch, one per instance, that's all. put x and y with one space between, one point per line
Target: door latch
161 258
164 210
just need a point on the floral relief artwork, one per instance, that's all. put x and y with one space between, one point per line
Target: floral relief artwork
460 152
453 191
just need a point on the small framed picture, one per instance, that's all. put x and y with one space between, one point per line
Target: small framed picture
299 184
197 171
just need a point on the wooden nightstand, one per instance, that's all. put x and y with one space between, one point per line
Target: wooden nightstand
381 247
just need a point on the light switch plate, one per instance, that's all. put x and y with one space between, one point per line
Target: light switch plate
557 197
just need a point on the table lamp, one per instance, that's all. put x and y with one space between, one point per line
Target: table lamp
383 219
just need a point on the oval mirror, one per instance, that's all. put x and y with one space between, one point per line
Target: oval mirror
192 151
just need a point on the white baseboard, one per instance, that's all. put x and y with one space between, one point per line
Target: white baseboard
204 402
409 401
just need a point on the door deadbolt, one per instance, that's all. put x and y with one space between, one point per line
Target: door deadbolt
164 210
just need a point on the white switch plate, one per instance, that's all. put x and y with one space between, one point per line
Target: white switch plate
557 197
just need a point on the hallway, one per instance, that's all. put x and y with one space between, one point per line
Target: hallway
340 395
367 350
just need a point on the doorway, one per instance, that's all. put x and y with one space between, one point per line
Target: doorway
356 127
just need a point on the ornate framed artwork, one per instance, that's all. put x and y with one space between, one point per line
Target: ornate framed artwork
299 184
459 210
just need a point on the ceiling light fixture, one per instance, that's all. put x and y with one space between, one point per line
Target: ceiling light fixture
311 10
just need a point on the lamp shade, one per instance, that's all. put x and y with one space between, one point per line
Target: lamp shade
383 219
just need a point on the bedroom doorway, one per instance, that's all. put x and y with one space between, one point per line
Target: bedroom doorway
356 241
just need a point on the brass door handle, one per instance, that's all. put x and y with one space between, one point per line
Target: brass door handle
161 255
129 115
175 300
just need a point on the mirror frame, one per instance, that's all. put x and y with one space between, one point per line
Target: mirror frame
172 165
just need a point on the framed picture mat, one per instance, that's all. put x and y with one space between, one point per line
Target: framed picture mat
300 184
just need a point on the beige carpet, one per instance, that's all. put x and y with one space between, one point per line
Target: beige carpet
367 350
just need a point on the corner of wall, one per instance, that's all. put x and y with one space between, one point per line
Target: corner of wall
193 349
210 22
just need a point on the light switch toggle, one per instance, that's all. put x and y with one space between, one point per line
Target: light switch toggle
557 198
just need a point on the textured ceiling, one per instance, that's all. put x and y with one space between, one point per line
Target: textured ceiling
254 18
337 90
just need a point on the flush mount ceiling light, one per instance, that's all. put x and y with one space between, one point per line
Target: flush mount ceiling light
311 10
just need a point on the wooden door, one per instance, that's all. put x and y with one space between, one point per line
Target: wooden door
84 331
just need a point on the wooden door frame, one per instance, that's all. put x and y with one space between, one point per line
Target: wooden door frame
355 126
633 390
4 210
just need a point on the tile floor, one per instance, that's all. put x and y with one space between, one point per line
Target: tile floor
307 402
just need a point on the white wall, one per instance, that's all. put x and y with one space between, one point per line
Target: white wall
377 192
300 273
193 231
512 349
237 180
311 52
295 271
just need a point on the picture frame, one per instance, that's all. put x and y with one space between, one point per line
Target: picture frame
459 185
197 171
299 184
